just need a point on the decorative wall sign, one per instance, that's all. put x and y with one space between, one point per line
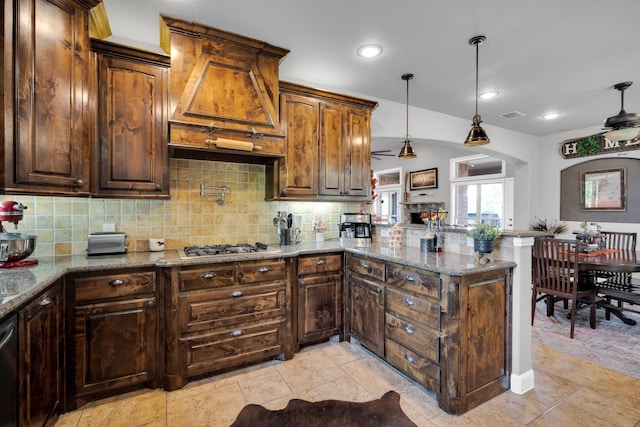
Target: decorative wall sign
595 144
427 178
603 190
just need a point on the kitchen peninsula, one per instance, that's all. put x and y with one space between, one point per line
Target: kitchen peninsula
442 318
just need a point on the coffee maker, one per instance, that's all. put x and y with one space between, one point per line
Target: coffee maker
355 228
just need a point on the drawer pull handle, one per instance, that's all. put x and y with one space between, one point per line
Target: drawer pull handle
409 278
263 269
376 291
237 333
116 282
408 329
321 262
410 358
409 302
208 275
45 301
237 294
365 265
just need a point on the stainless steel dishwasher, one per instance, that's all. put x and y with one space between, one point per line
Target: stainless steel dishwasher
9 371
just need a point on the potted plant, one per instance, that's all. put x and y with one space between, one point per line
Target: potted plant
483 237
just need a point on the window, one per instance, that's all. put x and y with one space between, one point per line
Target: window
387 207
480 193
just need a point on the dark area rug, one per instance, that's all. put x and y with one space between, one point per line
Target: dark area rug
613 344
382 412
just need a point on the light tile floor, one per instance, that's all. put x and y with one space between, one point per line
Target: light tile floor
568 392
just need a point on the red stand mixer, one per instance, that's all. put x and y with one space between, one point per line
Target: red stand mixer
14 247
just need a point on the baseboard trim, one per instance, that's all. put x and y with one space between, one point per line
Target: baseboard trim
521 384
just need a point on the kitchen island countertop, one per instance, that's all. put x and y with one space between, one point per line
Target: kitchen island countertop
19 285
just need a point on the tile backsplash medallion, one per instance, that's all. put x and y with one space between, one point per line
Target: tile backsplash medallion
62 224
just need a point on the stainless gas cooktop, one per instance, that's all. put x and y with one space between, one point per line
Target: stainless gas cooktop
219 250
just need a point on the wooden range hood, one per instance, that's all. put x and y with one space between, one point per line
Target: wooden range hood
222 87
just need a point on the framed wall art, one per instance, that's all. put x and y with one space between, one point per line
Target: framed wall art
603 190
424 179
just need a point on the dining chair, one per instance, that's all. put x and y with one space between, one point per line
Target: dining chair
611 284
556 278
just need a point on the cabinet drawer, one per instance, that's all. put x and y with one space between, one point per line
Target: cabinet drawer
218 350
262 271
413 337
232 306
319 264
425 372
367 267
413 309
114 285
415 281
207 277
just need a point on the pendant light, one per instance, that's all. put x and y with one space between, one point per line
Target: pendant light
622 125
407 150
477 135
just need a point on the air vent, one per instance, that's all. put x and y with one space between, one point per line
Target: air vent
511 115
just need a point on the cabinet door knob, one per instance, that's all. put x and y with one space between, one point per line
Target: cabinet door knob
79 182
116 282
409 302
410 358
45 301
208 275
263 269
321 262
408 329
151 303
158 187
236 294
236 333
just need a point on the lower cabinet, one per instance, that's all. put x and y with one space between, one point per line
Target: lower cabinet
319 297
223 316
40 358
450 333
114 338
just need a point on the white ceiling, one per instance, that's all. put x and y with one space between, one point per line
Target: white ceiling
541 55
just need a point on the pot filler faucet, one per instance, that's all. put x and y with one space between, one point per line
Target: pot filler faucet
10 211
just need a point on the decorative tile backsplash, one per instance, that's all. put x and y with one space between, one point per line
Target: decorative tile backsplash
62 224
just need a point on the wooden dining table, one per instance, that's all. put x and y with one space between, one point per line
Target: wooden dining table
614 261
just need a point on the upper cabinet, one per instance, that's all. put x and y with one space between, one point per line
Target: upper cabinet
328 147
45 85
223 94
130 134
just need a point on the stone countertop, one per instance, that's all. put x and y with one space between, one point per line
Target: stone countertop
19 285
463 229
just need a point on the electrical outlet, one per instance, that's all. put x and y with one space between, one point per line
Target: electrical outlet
109 227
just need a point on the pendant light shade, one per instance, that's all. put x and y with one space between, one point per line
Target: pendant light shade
477 135
407 150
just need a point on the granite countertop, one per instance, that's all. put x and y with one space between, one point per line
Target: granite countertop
19 285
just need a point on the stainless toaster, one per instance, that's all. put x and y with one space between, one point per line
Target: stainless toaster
107 243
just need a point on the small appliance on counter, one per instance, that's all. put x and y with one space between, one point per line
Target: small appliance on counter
355 228
15 247
283 223
106 242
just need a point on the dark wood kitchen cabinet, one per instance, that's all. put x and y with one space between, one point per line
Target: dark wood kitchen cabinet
114 334
365 309
450 333
319 297
131 89
41 358
226 315
328 146
46 114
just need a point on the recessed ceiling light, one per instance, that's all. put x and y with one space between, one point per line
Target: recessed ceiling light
551 116
489 94
369 50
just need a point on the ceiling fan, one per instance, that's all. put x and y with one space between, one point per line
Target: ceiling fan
623 126
376 154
